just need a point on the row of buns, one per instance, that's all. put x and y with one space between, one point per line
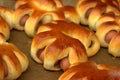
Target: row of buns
13 62
103 17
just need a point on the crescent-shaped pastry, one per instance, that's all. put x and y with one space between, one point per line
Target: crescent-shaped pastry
12 62
53 48
91 71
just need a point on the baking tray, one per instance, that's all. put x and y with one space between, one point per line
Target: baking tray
36 71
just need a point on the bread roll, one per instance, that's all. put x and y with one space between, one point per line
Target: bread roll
12 62
103 31
38 19
66 13
84 7
34 10
86 36
91 71
104 18
56 50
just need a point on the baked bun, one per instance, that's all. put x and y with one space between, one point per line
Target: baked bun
86 36
35 10
105 30
84 8
4 30
104 18
33 13
56 50
12 62
91 71
65 13
7 15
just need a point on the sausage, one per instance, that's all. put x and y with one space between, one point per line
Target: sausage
24 19
5 69
109 35
88 13
64 64
40 54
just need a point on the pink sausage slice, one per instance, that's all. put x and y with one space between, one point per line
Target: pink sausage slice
40 54
24 19
109 35
64 64
88 13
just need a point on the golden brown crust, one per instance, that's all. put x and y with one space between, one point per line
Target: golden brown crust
20 12
4 30
95 14
7 15
86 36
91 71
40 4
55 46
114 46
30 7
91 10
70 13
64 13
47 5
13 62
104 18
38 18
104 29
84 7
43 14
